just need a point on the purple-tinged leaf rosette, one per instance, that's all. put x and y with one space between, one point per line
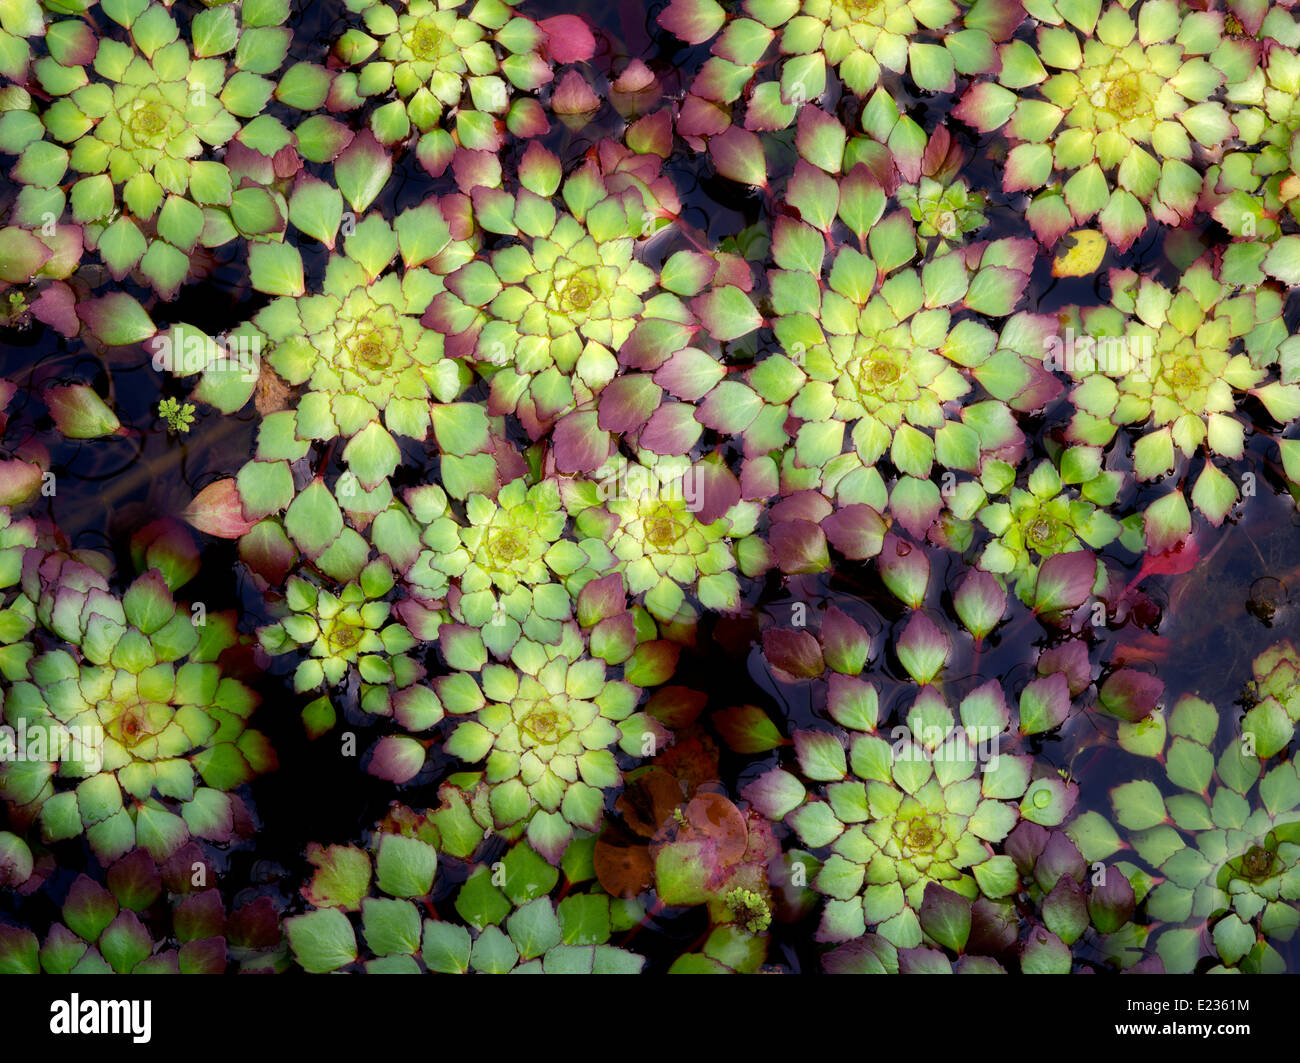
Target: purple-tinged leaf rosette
521 565
111 930
1252 187
1173 365
38 246
368 368
503 571
478 61
898 817
133 736
141 119
543 316
401 866
545 724
18 614
860 38
423 539
1044 519
1069 908
932 40
873 354
942 205
1224 840
278 523
652 512
1274 699
500 920
347 632
1079 910
1106 113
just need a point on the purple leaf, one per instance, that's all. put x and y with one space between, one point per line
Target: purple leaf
1044 704
1064 581
568 39
1112 903
856 531
1071 660
794 652
799 547
627 403
579 444
715 490
1130 695
671 430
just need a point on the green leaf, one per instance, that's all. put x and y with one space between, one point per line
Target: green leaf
276 269
322 941
180 222
996 876
121 246
892 242
446 947
527 875
1094 837
727 313
534 928
1044 953
1138 805
681 874
214 31
584 919
1233 938
317 209
747 729
116 319
313 519
372 454
342 877
946 917
391 927
362 170
493 952
404 867
79 413
461 428
821 755
479 902
1189 765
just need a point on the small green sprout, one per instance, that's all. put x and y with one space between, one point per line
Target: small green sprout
13 308
179 417
750 910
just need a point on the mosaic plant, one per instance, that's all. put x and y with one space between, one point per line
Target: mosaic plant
786 486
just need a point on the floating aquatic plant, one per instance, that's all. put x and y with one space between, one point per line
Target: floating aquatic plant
543 314
509 920
1171 364
860 40
1104 113
142 132
132 735
111 930
477 61
545 727
1225 860
524 441
1042 520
